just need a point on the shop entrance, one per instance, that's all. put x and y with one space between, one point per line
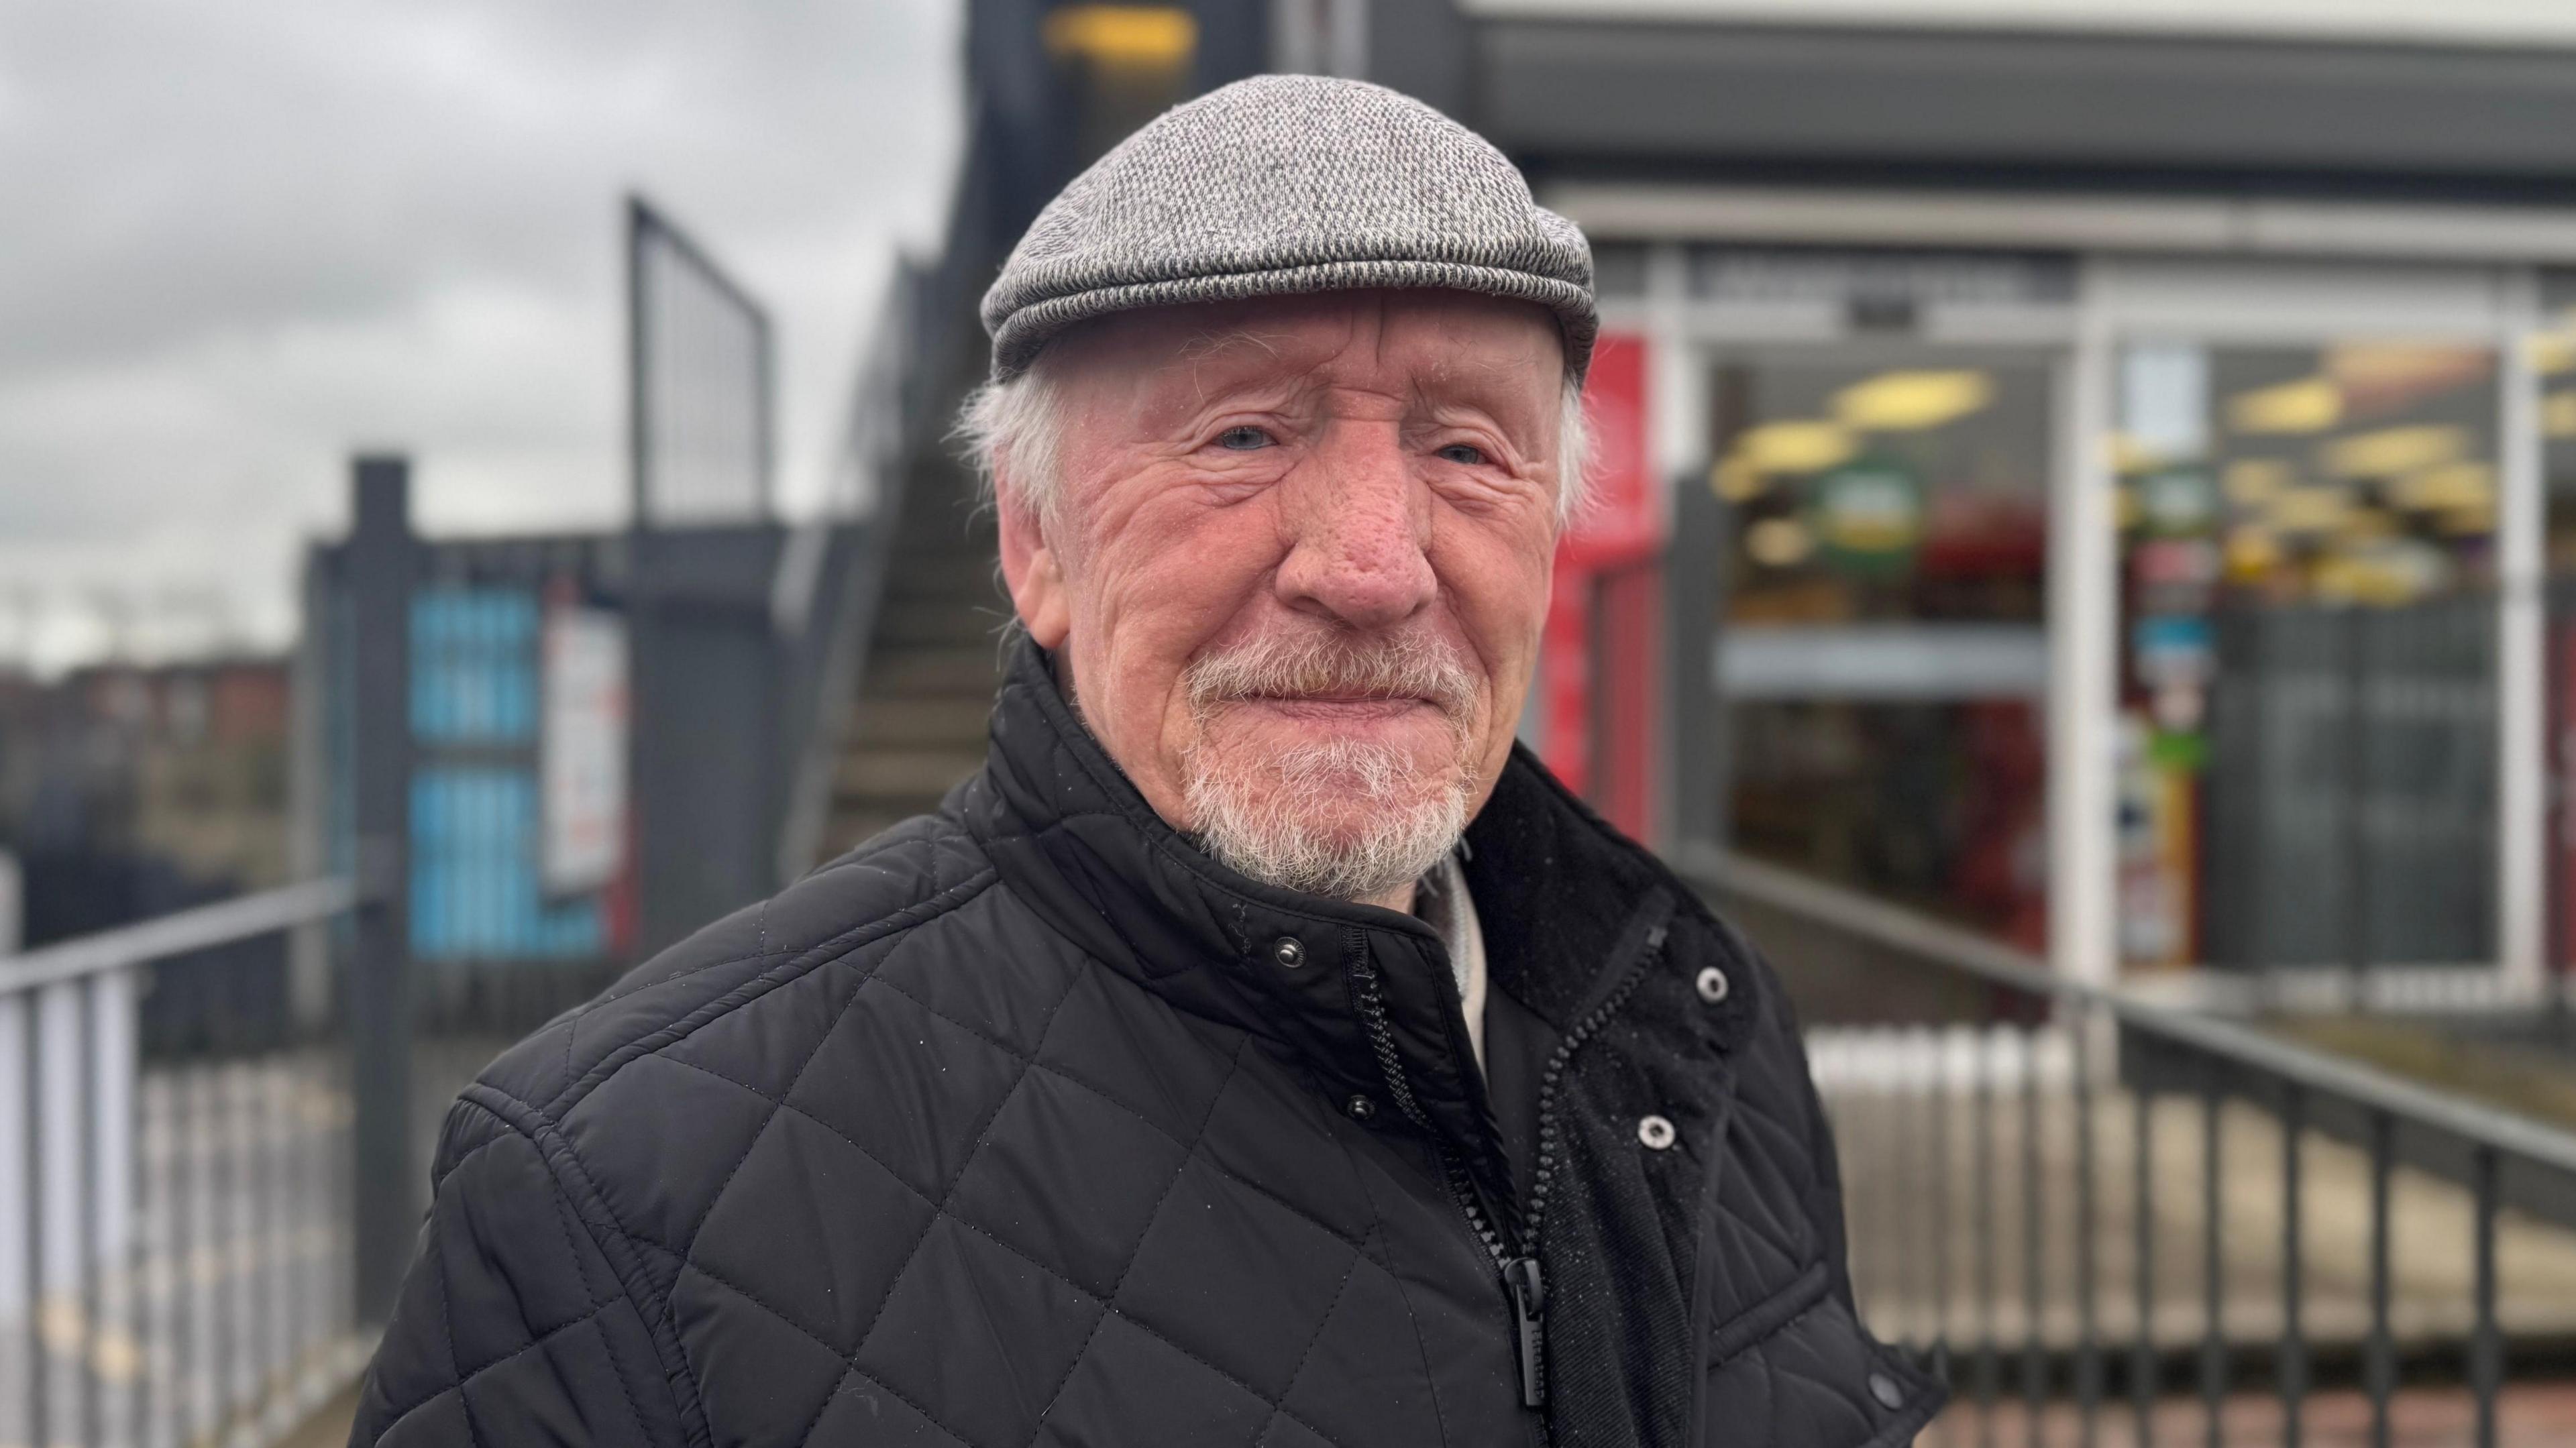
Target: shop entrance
2317 696
2176 601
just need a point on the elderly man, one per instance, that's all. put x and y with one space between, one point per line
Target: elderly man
1260 1050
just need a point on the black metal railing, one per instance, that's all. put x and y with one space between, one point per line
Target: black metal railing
177 1253
2114 1222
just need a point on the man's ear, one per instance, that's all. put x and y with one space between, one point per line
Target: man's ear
1032 571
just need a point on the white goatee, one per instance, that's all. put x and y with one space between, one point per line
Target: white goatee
1282 817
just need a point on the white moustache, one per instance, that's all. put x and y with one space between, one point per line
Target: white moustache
1414 666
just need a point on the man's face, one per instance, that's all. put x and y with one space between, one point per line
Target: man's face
1296 564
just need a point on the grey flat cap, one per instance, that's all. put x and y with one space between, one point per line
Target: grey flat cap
1284 184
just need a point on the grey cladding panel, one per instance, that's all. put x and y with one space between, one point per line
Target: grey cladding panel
1681 92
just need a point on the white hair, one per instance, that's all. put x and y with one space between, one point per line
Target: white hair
1013 432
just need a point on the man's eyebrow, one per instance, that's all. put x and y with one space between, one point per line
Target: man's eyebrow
1212 346
1209 344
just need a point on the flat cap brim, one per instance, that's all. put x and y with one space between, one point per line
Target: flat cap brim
1285 186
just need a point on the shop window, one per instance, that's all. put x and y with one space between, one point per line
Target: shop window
1881 653
2307 670
2553 359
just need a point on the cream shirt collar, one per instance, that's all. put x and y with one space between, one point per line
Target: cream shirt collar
1441 901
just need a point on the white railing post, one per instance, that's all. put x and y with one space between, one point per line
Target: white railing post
62 1194
17 1421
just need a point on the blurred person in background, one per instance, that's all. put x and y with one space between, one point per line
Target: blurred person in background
1262 1048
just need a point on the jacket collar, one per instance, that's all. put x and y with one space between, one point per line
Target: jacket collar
1072 837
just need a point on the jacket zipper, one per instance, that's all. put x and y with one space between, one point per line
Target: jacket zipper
1516 1261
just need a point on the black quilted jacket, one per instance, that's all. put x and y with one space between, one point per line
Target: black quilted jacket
1027 1124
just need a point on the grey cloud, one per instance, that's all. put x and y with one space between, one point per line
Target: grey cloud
237 239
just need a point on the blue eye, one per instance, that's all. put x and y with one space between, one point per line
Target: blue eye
1464 455
1246 438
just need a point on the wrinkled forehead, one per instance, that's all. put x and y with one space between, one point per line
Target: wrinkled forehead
1485 348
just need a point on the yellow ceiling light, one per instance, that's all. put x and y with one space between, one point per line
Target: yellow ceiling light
2311 404
2366 525
1736 480
2558 414
2463 484
1909 401
2394 450
2309 510
2551 352
2252 552
2462 522
1779 542
2251 482
2128 455
2379 377
1137 36
1797 446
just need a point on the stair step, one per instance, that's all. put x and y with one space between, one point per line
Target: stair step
904 622
938 720
907 776
961 595
897 671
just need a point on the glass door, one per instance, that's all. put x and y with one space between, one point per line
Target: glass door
2307 689
2310 470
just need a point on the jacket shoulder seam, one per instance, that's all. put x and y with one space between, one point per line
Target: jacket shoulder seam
800 963
760 944
573 1179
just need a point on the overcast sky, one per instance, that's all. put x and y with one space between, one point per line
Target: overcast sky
238 240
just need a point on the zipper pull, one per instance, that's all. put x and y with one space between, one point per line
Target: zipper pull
1529 1304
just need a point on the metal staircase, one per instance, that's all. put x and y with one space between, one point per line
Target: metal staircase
933 661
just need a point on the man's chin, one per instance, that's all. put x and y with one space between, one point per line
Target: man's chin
1350 839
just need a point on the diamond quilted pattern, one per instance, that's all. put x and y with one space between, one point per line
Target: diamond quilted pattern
1361 1379
1133 1388
807 1195
438 1423
1138 1051
1803 1384
1235 1272
981 1330
1276 1137
1287 1432
764 1042
501 1315
867 1411
685 1170
532 1391
764 1378
1010 1006
1069 1179
909 1087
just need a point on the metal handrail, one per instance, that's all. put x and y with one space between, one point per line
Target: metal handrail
147 1197
2016 970
202 928
2285 1078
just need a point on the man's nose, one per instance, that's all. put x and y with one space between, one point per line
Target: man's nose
1360 531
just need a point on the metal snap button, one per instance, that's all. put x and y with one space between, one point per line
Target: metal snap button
1885 1389
1360 1107
1655 1132
1713 985
1289 951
